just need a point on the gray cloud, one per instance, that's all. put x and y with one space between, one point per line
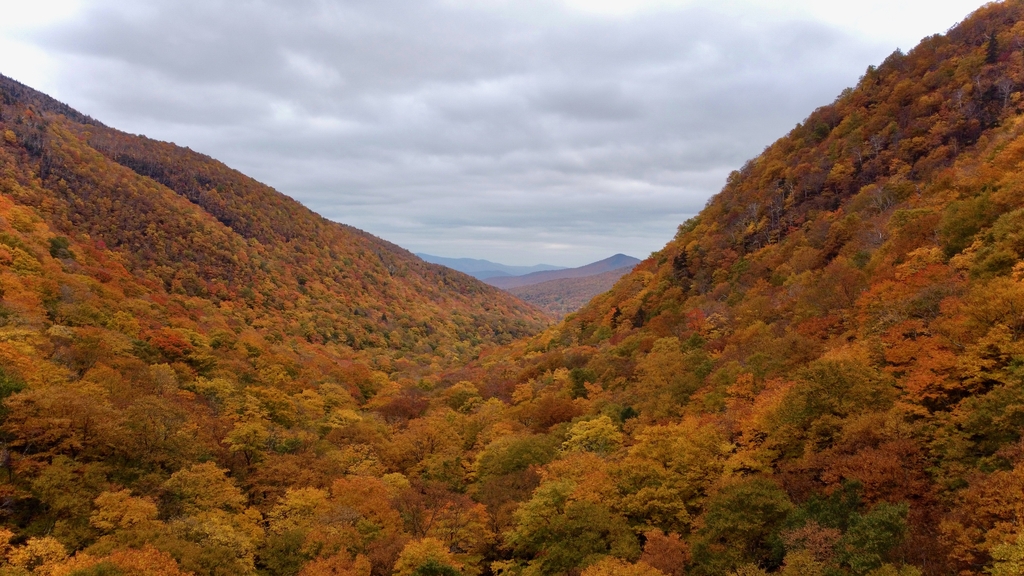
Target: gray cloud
519 133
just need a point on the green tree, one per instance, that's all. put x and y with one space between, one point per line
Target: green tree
741 525
599 435
871 536
557 532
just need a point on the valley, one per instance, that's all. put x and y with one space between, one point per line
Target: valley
821 374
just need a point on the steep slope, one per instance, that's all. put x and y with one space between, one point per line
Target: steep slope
165 320
819 375
834 343
607 265
565 295
204 230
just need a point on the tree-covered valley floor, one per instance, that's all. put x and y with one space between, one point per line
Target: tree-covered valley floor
821 374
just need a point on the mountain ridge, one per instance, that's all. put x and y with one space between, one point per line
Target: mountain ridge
564 296
843 317
608 264
820 374
171 328
202 230
482 269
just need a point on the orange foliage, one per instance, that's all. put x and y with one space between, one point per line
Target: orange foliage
199 374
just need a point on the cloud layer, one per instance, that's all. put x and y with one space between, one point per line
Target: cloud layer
518 132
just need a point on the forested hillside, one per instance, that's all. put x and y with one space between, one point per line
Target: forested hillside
566 295
159 310
197 229
821 374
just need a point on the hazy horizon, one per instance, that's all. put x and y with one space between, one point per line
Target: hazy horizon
515 132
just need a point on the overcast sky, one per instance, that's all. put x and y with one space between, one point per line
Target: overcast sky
513 130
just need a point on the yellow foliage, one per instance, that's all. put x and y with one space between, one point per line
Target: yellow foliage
204 487
125 323
420 552
599 435
40 555
749 570
120 511
339 565
891 570
296 508
802 563
616 567
5 542
1009 558
587 472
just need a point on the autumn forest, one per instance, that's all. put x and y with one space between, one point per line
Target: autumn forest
822 374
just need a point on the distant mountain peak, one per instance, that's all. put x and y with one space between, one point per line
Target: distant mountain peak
615 262
483 269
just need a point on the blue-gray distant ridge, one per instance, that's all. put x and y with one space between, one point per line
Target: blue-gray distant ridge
616 262
483 269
